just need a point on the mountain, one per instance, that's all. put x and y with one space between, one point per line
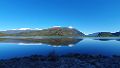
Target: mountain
19 30
94 34
105 34
54 31
101 34
116 34
16 31
2 34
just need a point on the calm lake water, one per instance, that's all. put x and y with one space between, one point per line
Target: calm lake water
11 47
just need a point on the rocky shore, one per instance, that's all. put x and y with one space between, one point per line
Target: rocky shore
65 61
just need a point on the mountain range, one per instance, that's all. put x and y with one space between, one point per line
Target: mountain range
55 31
105 34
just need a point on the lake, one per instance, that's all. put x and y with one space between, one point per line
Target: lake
11 47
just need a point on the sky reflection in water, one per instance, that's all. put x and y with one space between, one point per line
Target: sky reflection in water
10 48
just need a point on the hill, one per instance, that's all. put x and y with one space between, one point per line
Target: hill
105 34
15 31
116 34
55 31
101 34
2 34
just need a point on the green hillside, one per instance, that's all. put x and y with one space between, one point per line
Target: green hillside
55 31
2 34
105 34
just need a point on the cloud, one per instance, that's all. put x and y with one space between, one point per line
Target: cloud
27 29
22 29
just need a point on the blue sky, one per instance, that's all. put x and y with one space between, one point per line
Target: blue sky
87 16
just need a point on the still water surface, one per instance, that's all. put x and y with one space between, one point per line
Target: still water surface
20 47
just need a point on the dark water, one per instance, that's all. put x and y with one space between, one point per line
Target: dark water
19 47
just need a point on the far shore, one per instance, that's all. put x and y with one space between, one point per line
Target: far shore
65 36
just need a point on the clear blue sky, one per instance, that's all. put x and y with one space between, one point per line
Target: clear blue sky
86 15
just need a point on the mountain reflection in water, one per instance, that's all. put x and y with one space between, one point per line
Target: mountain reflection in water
48 41
13 47
107 39
103 39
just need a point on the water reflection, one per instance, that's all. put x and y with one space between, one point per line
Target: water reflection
61 46
48 41
107 39
104 39
117 39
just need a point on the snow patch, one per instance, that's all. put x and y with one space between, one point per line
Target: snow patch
56 26
70 27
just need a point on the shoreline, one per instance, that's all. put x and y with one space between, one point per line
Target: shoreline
65 61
